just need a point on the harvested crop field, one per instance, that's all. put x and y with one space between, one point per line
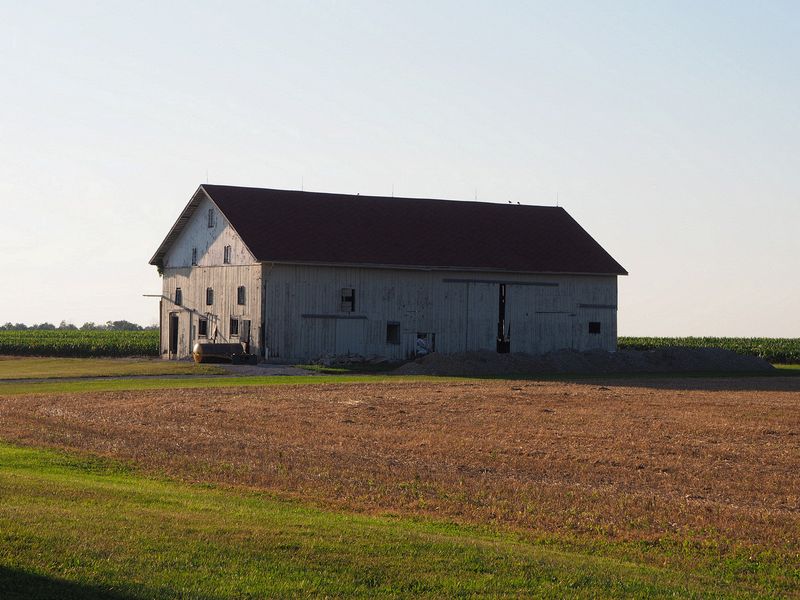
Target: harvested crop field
712 461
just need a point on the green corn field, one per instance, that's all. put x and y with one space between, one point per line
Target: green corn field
145 343
79 343
774 350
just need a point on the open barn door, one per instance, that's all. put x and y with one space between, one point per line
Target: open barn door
244 333
503 327
173 334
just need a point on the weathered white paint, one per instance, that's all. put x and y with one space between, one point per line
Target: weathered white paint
304 318
209 241
210 272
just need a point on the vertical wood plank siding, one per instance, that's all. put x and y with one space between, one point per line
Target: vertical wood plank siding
304 318
210 272
224 281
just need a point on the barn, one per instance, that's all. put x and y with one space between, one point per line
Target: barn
297 275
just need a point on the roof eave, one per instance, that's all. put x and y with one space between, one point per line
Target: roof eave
438 268
186 214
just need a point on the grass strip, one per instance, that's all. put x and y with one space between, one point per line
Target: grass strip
109 385
82 527
51 368
156 383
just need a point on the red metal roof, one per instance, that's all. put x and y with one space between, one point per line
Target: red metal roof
311 227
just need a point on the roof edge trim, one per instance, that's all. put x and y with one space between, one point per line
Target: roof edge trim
434 268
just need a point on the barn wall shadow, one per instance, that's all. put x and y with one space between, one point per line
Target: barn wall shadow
671 381
16 584
718 383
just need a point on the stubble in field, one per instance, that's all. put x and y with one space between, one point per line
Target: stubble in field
714 461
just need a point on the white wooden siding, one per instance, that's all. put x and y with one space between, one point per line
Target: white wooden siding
304 318
209 241
224 280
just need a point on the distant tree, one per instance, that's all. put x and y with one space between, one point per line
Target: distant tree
65 325
43 326
7 326
122 326
20 326
90 326
150 327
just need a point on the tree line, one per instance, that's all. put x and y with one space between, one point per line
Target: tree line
88 326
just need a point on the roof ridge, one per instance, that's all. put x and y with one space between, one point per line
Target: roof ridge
371 196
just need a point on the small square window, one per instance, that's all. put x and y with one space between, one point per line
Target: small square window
392 332
226 255
240 295
202 327
210 217
594 326
178 296
194 257
234 326
209 296
348 300
426 343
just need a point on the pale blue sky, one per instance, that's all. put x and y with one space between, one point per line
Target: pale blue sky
669 130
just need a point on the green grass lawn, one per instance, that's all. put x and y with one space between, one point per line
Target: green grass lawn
78 527
109 385
94 385
49 368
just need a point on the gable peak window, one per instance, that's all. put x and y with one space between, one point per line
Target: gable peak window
348 300
194 257
226 255
209 296
211 218
240 295
178 296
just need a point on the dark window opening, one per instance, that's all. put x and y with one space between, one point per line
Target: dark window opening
210 217
594 326
348 300
240 295
226 255
178 296
234 326
194 257
209 296
392 332
202 327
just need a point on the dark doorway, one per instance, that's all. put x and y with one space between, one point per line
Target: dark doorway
503 334
173 333
244 334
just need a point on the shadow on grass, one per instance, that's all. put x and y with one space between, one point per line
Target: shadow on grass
383 368
16 584
785 378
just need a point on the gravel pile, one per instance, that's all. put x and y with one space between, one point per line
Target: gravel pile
595 362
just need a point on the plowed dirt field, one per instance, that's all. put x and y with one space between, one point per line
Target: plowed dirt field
715 460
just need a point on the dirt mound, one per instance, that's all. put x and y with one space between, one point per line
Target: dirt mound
595 362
